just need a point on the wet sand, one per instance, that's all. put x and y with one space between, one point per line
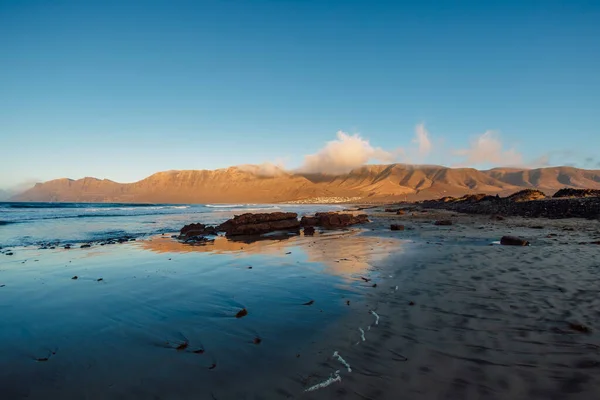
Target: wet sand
158 319
473 321
445 315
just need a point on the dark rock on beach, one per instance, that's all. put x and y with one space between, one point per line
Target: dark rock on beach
332 220
396 227
309 230
256 224
444 222
196 230
513 241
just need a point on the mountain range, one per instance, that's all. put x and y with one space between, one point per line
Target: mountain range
250 184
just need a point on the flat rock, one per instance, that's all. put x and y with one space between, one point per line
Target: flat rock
331 220
257 224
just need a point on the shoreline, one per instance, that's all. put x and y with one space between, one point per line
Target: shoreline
468 319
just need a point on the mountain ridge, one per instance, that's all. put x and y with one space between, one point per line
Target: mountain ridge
254 184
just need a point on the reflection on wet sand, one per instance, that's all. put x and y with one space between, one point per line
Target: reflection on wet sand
343 253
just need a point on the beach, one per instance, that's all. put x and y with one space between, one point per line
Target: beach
431 312
472 320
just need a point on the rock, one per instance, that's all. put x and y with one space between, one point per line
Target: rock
75 277
527 195
568 192
412 303
257 224
85 246
196 230
309 230
497 218
537 227
309 221
443 222
392 210
400 212
579 328
67 246
9 254
513 241
331 220
528 204
242 313
198 239
395 227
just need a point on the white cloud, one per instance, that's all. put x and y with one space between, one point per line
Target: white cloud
266 169
488 149
345 154
422 140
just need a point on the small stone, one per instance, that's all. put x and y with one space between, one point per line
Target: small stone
395 227
85 246
75 277
242 313
513 241
309 230
579 328
412 303
443 222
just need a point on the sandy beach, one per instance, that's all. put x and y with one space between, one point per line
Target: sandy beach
428 312
460 318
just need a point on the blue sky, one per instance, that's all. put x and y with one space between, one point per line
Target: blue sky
120 90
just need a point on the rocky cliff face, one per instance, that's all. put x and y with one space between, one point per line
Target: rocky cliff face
251 185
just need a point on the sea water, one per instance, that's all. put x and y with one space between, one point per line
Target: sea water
23 224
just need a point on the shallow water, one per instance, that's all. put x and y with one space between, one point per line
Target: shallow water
161 322
24 224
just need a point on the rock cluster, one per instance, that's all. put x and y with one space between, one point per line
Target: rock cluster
519 205
568 192
258 224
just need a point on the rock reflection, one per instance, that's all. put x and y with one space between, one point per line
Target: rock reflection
343 253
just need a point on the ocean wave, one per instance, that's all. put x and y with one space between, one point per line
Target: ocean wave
7 222
226 205
77 205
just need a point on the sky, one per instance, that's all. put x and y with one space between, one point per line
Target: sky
123 89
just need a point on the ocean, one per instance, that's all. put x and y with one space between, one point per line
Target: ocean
27 224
